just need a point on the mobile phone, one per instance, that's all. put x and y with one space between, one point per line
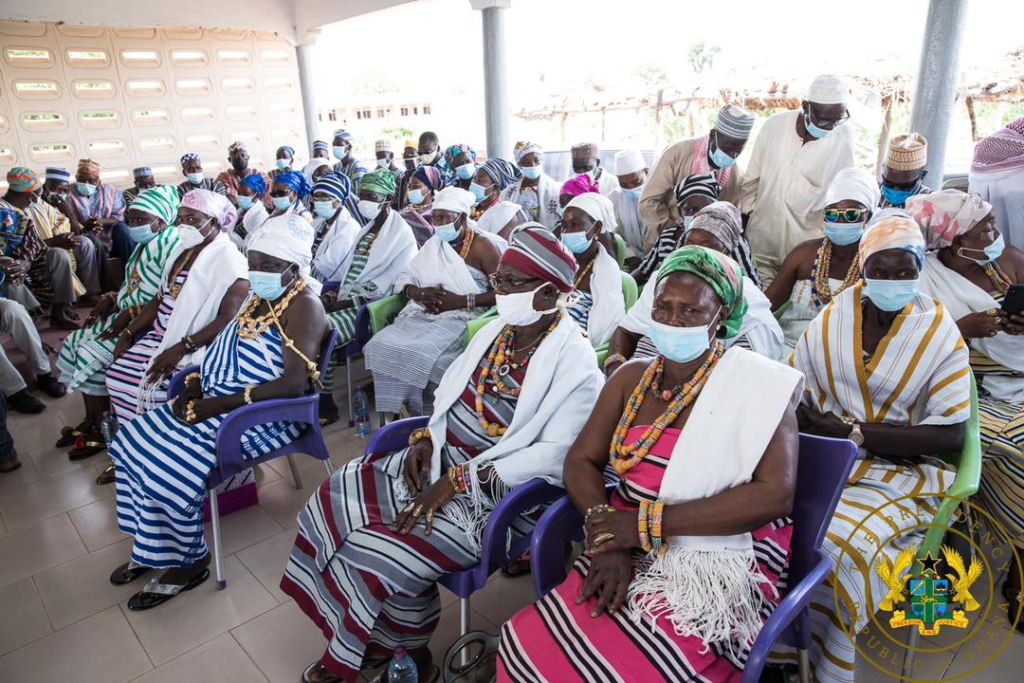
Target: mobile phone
1013 303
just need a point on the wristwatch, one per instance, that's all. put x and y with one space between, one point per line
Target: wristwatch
855 435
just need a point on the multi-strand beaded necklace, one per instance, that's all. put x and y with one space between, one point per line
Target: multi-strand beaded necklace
821 292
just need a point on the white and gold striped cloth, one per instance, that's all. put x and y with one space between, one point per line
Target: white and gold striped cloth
918 375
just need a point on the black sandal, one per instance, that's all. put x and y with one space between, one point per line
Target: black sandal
108 476
85 447
126 574
156 593
309 669
69 435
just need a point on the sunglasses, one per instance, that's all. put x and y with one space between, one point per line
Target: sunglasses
848 215
902 186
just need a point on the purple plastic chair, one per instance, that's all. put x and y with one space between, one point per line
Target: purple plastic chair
822 471
231 460
536 492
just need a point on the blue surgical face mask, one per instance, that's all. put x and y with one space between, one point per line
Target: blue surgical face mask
479 192
141 233
891 295
195 178
992 252
416 196
721 159
686 222
339 152
384 163
283 164
633 192
466 171
323 209
244 202
815 132
86 190
843 233
446 233
896 197
576 242
680 344
281 202
531 172
266 286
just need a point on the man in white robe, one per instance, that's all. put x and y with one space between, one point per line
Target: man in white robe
631 172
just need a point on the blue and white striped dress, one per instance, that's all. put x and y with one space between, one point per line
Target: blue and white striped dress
163 463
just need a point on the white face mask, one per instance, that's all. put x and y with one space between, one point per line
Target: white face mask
517 309
190 236
368 209
195 178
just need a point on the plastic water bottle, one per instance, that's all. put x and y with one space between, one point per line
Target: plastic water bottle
361 410
402 669
108 427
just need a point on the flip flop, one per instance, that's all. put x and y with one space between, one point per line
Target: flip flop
85 449
108 475
126 574
156 593
68 436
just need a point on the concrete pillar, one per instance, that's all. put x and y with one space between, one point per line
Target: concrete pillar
304 59
499 134
937 78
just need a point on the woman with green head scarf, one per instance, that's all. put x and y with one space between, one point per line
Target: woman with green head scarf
700 508
88 352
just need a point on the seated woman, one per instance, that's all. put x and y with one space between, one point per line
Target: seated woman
164 457
447 286
201 289
332 219
287 191
597 304
424 184
383 249
501 219
88 352
283 159
692 194
252 213
817 270
887 368
696 538
381 531
970 275
462 160
536 192
716 226
490 180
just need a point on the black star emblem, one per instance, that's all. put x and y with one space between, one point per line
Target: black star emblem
930 563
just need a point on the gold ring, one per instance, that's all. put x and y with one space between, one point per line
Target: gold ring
418 511
409 507
603 538
430 515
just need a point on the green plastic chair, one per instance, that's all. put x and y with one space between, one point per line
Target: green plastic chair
383 311
621 251
474 325
781 310
629 289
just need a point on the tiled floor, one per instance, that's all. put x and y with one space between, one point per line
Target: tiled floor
61 619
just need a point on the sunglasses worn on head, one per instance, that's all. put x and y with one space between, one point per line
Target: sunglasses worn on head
848 215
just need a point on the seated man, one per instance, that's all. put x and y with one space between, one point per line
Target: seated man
96 211
683 530
192 169
586 159
887 368
904 170
17 323
232 178
48 246
347 164
144 180
447 286
717 227
163 458
383 529
631 172
819 269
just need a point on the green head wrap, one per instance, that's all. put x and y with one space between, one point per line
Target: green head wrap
382 182
718 270
161 201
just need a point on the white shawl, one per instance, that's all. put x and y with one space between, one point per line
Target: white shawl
389 255
547 194
436 263
609 305
338 243
759 326
630 224
708 586
960 297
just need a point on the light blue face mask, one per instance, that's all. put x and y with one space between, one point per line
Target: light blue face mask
815 132
992 252
844 233
479 192
283 164
281 203
339 152
244 202
896 197
466 171
891 295
446 233
141 233
531 172
266 286
633 192
384 163
86 190
195 178
721 159
576 242
686 222
680 344
416 196
323 209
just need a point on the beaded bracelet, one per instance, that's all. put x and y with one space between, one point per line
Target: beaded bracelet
467 479
190 411
419 435
454 479
657 512
597 510
248 394
191 376
641 523
614 358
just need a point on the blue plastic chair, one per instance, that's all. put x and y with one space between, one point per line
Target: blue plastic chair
534 493
230 458
822 471
354 348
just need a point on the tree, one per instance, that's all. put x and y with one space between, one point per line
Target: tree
654 76
702 56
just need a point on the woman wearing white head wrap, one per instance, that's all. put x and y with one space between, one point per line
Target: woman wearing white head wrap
817 270
536 192
501 219
164 457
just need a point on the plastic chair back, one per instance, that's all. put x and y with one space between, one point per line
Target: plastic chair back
384 311
629 290
781 310
621 251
